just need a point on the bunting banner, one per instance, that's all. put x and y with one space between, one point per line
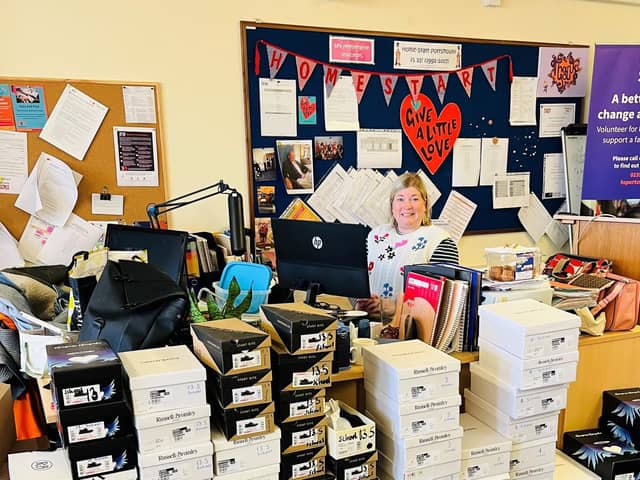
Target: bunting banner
388 83
305 68
276 58
331 75
440 82
414 82
489 70
360 81
466 77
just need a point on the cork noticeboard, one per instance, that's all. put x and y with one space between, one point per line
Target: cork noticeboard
98 167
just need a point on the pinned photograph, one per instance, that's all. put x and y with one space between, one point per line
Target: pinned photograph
264 164
264 233
266 199
296 165
328 148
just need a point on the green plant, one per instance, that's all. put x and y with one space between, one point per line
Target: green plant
228 309
194 312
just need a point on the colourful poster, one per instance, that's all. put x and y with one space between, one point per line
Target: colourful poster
427 56
351 50
29 107
307 110
612 162
6 110
562 72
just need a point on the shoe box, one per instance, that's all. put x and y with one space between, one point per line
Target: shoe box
194 462
298 372
236 456
241 389
292 405
100 457
243 422
82 424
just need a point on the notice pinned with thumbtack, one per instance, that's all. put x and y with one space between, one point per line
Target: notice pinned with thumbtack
112 206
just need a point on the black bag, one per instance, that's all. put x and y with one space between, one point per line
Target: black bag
133 306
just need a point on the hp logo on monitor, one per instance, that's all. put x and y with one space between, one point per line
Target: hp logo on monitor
316 242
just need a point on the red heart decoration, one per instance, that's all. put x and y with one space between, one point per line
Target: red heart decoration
431 135
307 107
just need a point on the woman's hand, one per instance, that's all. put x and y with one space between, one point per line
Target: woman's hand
377 307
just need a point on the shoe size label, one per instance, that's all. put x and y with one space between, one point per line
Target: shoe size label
81 395
317 341
86 431
246 359
307 407
251 425
95 466
247 394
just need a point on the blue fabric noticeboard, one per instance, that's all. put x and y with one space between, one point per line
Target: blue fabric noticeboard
485 113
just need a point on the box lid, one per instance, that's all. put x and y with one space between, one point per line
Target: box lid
525 317
161 366
230 335
167 417
424 439
290 318
477 370
409 359
81 355
39 465
220 443
479 439
176 454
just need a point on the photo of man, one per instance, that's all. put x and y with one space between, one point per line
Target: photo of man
296 165
264 164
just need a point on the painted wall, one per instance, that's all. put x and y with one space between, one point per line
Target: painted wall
192 48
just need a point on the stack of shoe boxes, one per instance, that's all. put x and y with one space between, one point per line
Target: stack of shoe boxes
237 357
94 419
621 415
485 453
171 415
528 355
303 342
412 395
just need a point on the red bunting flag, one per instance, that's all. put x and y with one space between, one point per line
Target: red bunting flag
415 85
440 81
489 70
360 81
388 83
466 77
305 68
276 58
331 75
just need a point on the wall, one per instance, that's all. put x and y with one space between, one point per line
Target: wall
193 49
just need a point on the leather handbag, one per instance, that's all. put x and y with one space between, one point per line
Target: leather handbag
134 306
620 302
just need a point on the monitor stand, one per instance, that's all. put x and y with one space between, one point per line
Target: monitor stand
312 294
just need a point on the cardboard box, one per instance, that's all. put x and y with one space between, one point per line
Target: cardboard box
268 472
516 403
623 407
303 464
170 429
102 456
231 346
245 422
164 379
391 409
240 390
300 328
96 422
309 371
303 434
411 371
299 404
7 424
362 466
526 455
389 469
194 462
528 329
351 441
517 430
84 373
537 472
527 374
484 451
421 451
415 418
246 454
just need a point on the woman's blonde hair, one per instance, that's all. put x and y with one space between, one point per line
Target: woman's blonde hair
407 180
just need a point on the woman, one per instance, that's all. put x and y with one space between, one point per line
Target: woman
408 240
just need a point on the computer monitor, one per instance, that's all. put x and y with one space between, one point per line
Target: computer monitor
322 258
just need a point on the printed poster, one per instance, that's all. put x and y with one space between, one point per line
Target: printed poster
136 156
6 109
562 72
427 56
29 107
307 110
351 50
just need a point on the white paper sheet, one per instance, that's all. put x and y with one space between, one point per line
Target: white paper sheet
13 161
534 218
327 191
344 213
432 191
74 122
75 236
554 116
278 109
511 190
457 211
113 206
50 192
558 233
495 152
522 109
136 156
466 162
34 236
379 148
9 253
139 104
553 176
373 210
341 108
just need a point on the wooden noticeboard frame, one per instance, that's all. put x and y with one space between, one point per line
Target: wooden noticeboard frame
98 167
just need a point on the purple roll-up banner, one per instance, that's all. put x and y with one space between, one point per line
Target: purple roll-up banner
612 156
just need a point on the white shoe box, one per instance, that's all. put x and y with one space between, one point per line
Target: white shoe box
164 378
414 418
528 328
484 451
233 456
160 431
527 374
422 450
525 455
410 371
268 472
516 403
518 430
537 472
351 441
194 462
391 470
